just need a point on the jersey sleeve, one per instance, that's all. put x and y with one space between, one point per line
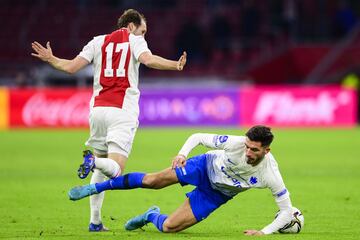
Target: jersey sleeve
283 218
138 45
211 141
88 51
282 198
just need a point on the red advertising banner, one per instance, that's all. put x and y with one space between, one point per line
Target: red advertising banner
298 106
275 106
49 107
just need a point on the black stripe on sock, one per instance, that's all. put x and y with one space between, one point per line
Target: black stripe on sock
126 181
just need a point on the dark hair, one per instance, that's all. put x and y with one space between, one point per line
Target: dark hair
130 16
261 134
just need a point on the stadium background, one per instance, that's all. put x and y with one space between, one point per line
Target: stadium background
290 64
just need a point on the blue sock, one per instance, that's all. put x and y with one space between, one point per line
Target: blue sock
158 220
128 181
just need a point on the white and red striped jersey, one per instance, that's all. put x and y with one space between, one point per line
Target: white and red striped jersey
116 69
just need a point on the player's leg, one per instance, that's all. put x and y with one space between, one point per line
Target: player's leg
193 173
107 165
128 181
98 141
160 179
133 180
111 164
182 218
112 130
110 154
121 130
99 163
114 163
199 204
96 200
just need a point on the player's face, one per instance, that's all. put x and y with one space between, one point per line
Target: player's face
255 152
140 30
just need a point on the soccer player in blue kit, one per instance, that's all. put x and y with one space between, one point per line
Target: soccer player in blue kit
238 164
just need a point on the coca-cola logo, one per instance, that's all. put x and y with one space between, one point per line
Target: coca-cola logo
286 108
41 110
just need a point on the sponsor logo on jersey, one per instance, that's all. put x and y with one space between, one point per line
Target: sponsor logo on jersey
235 181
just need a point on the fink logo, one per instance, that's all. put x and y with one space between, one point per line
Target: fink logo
286 107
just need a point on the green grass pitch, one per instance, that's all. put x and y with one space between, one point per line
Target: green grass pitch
320 167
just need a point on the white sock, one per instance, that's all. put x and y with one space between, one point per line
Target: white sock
96 200
108 167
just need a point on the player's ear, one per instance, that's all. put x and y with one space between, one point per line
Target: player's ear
131 27
267 149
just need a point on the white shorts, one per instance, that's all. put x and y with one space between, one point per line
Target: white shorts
110 125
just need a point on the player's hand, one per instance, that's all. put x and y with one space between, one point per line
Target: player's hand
178 161
253 233
45 54
181 62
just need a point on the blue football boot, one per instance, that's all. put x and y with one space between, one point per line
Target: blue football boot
77 193
97 228
141 220
88 164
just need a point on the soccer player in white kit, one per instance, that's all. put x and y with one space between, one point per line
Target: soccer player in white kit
114 107
239 163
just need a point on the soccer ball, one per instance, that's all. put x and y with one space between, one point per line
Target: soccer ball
296 223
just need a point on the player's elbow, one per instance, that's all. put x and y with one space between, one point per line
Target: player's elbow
150 63
71 70
74 65
147 59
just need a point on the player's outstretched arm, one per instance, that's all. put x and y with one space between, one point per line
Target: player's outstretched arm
160 63
45 54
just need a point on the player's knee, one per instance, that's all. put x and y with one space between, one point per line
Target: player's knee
166 229
150 181
170 226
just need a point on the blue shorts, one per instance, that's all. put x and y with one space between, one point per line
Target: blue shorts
203 199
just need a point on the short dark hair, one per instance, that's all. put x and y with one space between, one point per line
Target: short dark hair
130 16
261 134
